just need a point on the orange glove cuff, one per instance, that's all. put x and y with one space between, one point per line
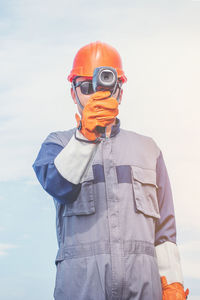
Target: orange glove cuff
91 136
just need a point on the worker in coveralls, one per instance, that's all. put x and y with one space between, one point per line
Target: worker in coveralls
114 208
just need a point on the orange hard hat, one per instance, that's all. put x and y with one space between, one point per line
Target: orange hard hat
96 55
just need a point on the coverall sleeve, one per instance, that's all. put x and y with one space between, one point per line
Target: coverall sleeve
60 168
51 180
165 236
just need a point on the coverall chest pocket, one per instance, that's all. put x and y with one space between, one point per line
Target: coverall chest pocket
85 203
145 191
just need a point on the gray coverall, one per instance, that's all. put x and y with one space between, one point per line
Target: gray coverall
108 225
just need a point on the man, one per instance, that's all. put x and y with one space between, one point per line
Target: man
114 209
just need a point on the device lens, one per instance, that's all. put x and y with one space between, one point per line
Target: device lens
107 77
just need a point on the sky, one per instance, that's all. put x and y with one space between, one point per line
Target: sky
159 42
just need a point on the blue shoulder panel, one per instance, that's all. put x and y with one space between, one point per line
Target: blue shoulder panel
47 174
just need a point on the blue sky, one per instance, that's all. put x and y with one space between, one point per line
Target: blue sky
160 45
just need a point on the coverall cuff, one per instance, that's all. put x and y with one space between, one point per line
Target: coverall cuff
169 264
74 160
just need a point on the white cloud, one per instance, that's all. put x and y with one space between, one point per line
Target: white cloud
4 248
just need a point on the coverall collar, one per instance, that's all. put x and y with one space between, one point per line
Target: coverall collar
114 130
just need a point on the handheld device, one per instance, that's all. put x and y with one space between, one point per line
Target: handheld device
104 79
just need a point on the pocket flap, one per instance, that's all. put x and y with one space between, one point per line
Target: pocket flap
144 185
145 176
148 207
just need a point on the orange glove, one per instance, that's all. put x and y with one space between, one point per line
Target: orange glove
173 291
99 111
